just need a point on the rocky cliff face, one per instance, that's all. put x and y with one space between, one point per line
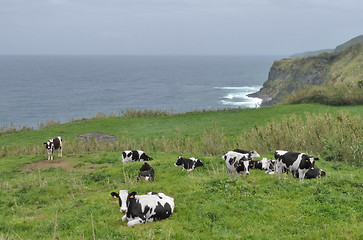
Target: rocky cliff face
292 74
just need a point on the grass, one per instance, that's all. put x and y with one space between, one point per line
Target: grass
74 191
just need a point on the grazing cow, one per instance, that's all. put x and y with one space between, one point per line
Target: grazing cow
294 161
51 144
251 154
134 155
261 164
189 164
313 172
236 163
144 208
147 172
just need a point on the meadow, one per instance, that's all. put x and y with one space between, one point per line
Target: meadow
69 198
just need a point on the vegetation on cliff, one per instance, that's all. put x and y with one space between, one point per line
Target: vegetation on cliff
332 72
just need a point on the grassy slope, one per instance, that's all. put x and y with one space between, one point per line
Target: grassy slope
189 124
208 205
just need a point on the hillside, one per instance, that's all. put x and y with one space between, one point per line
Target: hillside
341 68
69 198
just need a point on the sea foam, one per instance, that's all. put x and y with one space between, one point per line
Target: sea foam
237 96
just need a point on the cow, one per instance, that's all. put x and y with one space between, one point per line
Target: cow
134 155
271 167
261 164
293 161
51 144
147 172
236 163
144 208
251 154
189 164
313 172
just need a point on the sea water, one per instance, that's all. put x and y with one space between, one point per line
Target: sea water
34 89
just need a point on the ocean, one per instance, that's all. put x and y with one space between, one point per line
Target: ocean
34 89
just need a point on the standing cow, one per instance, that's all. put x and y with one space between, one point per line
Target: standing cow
134 155
294 161
236 163
189 164
144 208
51 144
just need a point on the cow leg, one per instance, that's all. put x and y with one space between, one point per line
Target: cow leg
124 218
301 174
229 173
137 220
48 154
278 170
60 150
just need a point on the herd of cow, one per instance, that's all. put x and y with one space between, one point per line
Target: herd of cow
156 206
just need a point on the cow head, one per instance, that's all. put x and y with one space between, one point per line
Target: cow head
122 199
308 161
179 162
253 154
145 167
48 145
145 157
243 165
199 163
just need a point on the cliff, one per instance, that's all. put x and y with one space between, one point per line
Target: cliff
292 74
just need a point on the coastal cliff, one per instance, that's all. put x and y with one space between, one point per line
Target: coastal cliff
289 75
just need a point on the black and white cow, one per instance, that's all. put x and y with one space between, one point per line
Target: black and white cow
261 164
313 172
293 161
134 155
271 167
147 172
236 163
144 208
189 164
51 144
251 154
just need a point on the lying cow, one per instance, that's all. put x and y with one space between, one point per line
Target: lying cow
271 167
134 155
313 172
294 161
189 164
261 164
144 208
251 154
236 163
147 172
51 144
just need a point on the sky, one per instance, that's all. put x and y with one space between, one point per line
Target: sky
176 27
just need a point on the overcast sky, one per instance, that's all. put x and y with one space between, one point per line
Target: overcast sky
169 27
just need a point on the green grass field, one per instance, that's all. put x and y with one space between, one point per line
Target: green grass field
69 198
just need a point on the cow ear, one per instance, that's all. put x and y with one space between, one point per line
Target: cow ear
114 195
316 159
132 195
45 143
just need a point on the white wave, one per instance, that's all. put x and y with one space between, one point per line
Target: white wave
237 96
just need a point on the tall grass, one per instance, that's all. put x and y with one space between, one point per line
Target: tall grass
336 95
334 138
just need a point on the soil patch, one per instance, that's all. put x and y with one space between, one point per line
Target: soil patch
58 163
